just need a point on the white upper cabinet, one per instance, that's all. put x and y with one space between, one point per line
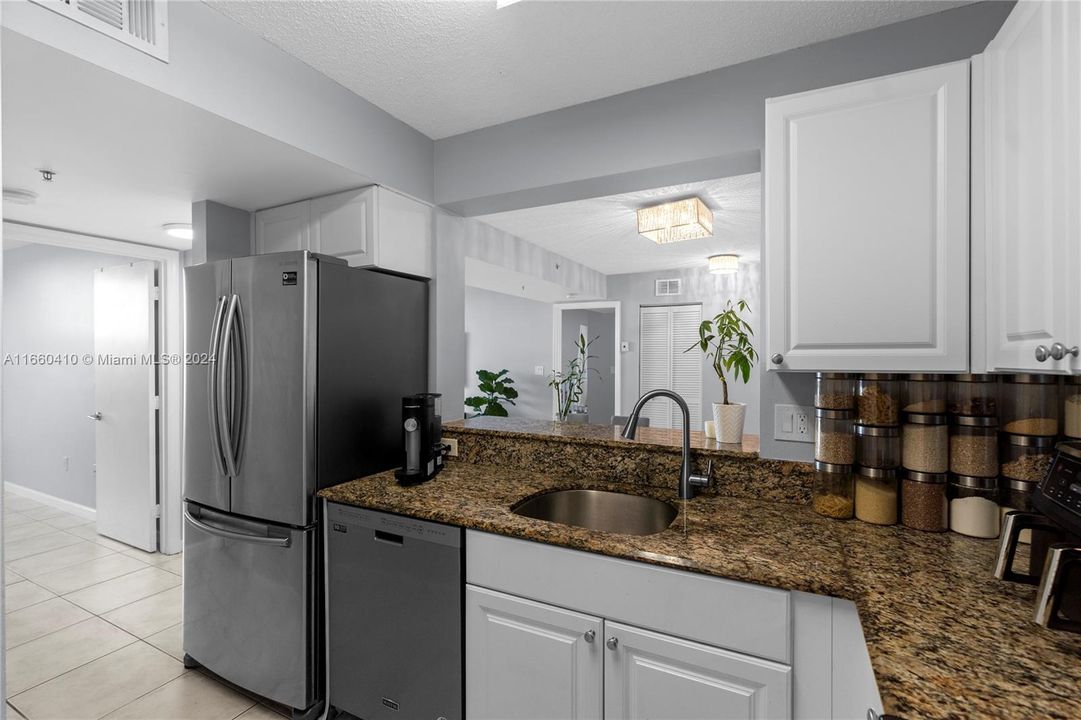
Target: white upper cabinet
866 222
369 227
282 228
1032 150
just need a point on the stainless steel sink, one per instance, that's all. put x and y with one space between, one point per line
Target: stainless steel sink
614 512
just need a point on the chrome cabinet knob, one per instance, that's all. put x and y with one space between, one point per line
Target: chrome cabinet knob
1042 353
95 416
777 359
590 636
1059 351
612 643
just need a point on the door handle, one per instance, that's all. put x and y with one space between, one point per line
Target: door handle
211 382
283 542
95 416
229 418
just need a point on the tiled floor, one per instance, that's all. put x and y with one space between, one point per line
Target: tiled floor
93 628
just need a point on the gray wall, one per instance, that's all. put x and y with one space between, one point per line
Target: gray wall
48 307
600 389
699 285
504 331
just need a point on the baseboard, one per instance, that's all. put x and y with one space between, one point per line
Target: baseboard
52 501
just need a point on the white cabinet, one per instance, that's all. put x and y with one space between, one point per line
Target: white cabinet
866 222
649 675
1032 153
369 227
530 661
283 228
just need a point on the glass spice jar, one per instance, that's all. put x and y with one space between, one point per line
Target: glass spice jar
925 393
1071 407
973 395
879 399
1016 495
878 447
876 495
835 391
1029 404
1026 457
834 441
974 506
925 443
974 446
833 493
924 505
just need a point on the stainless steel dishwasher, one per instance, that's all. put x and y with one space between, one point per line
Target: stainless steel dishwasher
394 624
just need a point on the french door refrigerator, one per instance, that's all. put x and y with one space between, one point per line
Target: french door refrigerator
298 366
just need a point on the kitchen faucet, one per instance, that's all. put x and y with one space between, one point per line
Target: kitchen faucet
687 481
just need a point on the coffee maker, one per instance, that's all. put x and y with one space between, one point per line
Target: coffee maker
422 438
1054 559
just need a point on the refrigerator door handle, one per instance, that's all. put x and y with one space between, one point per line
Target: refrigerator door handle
212 377
227 410
282 542
238 386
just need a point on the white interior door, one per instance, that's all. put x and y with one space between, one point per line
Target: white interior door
665 332
125 396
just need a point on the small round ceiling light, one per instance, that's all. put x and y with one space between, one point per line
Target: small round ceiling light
723 264
20 197
180 231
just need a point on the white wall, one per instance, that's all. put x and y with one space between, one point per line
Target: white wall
504 331
699 285
48 307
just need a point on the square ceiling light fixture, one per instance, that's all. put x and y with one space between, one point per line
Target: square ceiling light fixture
674 221
723 264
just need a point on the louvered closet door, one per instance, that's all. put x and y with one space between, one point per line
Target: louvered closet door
664 333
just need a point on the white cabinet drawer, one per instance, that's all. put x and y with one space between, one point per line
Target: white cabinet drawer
725 613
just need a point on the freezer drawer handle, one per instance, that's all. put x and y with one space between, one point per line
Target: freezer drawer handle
234 535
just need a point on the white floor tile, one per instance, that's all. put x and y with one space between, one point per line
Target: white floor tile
90 532
191 696
18 549
43 659
99 687
14 714
65 521
152 558
32 528
170 640
10 577
14 519
260 712
24 594
90 572
30 623
43 511
42 563
175 564
124 590
149 615
20 503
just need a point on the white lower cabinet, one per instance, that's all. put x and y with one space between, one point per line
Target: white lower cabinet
529 660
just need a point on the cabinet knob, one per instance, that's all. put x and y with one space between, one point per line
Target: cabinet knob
1059 351
777 359
613 643
1042 353
590 636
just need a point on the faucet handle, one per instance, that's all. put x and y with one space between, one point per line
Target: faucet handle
702 480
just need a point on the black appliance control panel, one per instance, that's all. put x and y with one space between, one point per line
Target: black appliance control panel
1059 495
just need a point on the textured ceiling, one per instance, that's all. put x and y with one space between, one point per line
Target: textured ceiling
602 233
452 66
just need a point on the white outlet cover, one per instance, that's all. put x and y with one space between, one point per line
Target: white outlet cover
538 369
793 423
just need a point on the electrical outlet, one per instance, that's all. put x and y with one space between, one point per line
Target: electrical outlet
538 369
792 423
452 446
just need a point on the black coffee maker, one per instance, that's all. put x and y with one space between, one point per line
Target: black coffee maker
422 438
1054 558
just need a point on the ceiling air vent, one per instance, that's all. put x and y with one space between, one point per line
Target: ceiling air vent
142 24
672 286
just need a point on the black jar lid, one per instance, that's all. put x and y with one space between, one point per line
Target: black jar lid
927 377
1031 379
926 477
832 468
829 414
878 376
1036 441
974 483
974 421
886 431
925 419
975 378
876 473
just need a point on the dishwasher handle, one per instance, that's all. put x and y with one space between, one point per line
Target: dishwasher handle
389 538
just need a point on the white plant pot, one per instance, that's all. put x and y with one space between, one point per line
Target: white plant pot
728 420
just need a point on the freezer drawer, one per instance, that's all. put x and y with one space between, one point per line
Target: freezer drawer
394 615
249 603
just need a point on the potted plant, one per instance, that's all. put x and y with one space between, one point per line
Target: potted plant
496 389
726 340
570 385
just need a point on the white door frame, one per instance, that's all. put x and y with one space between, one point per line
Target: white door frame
557 344
170 329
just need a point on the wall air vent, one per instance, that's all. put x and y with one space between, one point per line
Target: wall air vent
142 24
672 286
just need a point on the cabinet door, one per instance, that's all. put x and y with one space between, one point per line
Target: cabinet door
404 233
1033 121
343 225
866 221
283 228
530 661
649 675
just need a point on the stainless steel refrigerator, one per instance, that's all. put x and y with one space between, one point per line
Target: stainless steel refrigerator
306 362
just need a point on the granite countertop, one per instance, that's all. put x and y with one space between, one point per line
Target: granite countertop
945 638
598 434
